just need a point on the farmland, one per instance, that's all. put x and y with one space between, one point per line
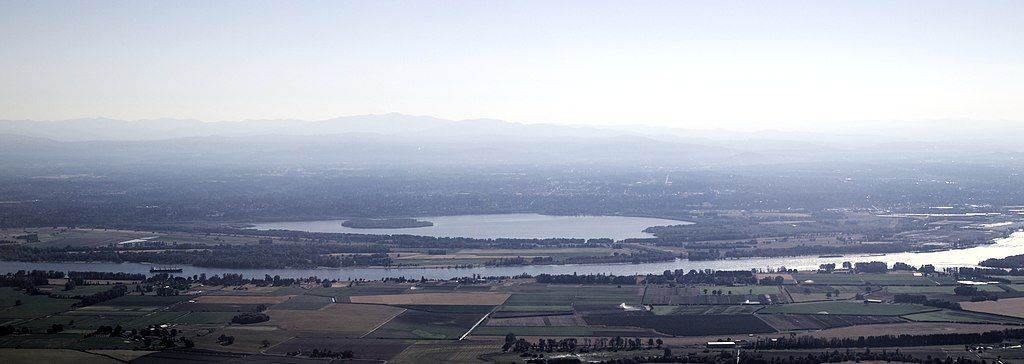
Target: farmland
1013 307
469 321
847 308
413 324
721 295
340 319
687 325
788 322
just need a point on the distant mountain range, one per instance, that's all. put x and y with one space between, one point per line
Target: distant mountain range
404 139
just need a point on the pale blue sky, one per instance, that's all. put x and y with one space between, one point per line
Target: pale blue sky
745 64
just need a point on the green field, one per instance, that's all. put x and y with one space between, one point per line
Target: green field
205 318
1012 279
303 302
413 324
79 291
30 305
353 291
848 308
539 299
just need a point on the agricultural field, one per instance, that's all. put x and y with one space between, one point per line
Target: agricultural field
788 322
339 319
686 325
42 356
367 348
472 298
546 320
706 310
406 322
967 317
810 293
713 295
561 298
937 289
511 308
15 304
1013 307
847 308
467 351
413 324
877 279
1012 279
303 302
562 331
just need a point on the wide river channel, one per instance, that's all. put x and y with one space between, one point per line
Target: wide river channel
1012 245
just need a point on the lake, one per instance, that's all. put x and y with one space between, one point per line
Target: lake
523 226
1012 245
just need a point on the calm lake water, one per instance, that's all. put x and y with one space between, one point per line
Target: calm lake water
524 226
1012 245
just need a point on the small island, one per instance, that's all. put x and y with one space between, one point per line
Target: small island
401 223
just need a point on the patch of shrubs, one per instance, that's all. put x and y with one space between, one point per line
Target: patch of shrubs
250 318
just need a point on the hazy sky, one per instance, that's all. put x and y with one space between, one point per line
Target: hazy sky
748 64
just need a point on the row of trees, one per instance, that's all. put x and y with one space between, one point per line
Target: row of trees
746 357
218 256
811 342
569 345
585 279
924 300
707 276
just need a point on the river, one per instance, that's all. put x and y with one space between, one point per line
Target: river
1012 245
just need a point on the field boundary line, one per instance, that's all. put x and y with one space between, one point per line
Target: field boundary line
384 323
478 323
264 350
104 355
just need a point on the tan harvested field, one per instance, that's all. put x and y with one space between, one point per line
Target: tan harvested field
1006 306
50 356
266 300
474 298
347 319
